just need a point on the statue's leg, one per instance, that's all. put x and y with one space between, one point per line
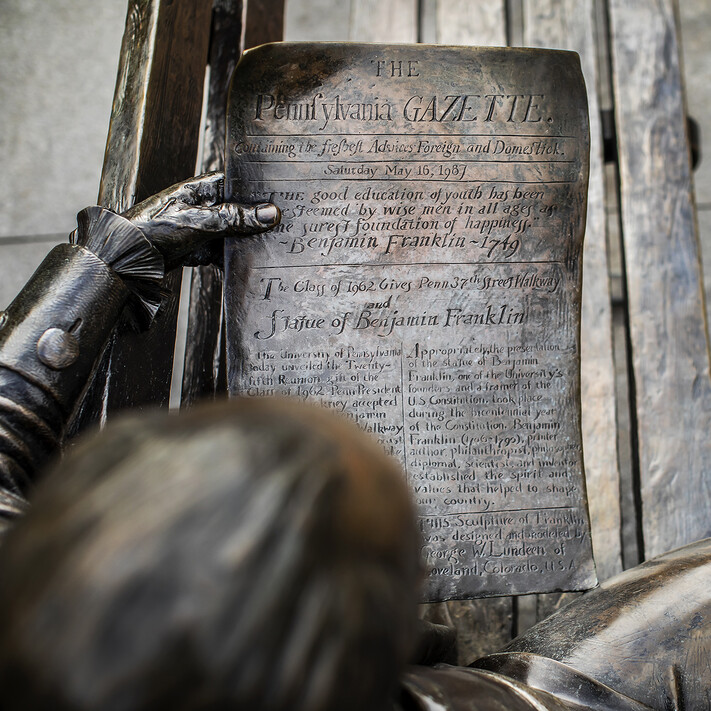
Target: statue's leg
645 633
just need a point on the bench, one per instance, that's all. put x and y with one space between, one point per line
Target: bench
646 392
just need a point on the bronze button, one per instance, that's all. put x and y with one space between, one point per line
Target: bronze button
57 349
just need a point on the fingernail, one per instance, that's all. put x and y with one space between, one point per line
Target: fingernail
267 214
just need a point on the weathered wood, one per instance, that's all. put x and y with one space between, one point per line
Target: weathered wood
227 38
667 324
317 20
471 22
379 21
152 143
203 342
264 22
569 24
482 626
236 25
203 339
427 21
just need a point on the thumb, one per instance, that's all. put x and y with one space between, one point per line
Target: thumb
231 218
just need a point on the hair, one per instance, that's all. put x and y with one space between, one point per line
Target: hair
257 554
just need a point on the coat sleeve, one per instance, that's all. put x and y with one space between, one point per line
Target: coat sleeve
53 334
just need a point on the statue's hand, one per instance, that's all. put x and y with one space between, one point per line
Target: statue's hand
184 218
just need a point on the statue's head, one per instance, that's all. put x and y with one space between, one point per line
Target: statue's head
258 554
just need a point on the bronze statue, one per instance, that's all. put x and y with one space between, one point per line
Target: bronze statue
257 554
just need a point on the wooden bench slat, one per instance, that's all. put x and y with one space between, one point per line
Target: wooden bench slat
317 20
383 21
203 350
569 24
471 22
156 113
667 324
264 22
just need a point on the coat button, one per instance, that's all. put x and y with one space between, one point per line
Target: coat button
57 349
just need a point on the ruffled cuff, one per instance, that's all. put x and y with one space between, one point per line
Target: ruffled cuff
128 252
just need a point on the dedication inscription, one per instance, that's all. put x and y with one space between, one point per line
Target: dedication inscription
425 281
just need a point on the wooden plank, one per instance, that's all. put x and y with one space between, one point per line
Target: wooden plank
482 626
626 449
203 350
383 21
667 325
264 22
317 20
152 143
472 22
236 25
569 24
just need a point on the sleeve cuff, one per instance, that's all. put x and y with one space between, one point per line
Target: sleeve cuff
128 252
